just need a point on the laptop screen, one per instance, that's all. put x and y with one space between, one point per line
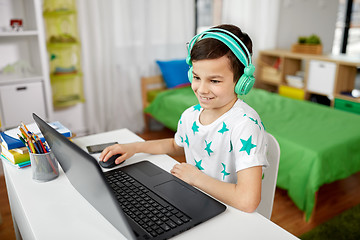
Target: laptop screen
86 176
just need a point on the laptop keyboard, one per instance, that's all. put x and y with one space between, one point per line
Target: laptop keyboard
152 213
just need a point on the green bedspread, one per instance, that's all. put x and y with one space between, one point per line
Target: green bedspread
318 144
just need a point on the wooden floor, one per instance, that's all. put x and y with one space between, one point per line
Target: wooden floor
333 199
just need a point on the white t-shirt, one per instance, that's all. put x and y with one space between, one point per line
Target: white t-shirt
233 142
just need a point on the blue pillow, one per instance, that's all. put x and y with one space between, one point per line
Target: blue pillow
174 73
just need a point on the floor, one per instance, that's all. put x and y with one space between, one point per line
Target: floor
332 199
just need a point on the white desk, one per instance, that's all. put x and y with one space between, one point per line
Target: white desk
55 210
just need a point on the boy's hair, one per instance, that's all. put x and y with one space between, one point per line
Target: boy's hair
210 48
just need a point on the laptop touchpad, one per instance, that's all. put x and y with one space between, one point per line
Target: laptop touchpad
175 191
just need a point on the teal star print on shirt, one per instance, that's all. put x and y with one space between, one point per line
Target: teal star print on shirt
187 140
223 129
198 164
197 107
231 146
195 127
255 121
208 149
247 145
224 171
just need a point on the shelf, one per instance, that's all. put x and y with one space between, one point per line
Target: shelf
58 13
324 75
6 79
347 98
18 34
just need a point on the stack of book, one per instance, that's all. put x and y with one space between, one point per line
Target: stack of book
18 157
14 151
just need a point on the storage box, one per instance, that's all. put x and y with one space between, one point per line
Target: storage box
19 101
291 92
348 106
67 89
307 48
270 74
321 77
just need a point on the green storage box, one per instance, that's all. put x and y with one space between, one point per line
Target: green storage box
348 106
67 89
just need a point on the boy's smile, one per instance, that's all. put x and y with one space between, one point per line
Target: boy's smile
213 85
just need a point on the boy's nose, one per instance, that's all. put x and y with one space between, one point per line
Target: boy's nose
203 87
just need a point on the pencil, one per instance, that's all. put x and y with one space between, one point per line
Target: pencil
23 140
22 124
40 142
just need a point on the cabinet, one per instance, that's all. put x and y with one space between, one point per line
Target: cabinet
17 108
302 75
24 75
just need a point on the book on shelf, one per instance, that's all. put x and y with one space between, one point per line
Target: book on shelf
19 165
10 139
14 156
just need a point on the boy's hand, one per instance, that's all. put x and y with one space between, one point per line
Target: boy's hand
186 172
126 151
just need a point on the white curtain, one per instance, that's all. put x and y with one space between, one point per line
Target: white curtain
121 39
258 18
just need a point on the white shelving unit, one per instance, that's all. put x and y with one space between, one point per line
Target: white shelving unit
28 90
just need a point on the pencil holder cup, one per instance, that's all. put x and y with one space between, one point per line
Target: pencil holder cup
44 167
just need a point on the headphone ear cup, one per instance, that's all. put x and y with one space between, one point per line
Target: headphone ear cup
244 85
190 74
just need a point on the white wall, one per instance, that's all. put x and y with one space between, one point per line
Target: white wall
306 17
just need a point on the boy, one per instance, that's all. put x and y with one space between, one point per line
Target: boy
222 137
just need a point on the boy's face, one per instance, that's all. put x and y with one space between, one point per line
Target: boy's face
213 84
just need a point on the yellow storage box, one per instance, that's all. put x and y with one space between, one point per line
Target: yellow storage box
291 92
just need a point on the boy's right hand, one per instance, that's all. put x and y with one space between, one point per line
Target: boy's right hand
126 151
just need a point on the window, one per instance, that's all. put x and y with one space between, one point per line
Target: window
347 31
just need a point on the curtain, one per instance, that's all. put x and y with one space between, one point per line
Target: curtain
121 39
258 18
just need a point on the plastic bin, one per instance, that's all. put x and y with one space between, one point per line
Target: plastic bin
348 106
291 92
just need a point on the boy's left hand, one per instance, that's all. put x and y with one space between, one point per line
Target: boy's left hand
186 172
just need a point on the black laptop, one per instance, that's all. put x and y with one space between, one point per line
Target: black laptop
141 200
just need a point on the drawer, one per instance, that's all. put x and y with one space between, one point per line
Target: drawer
347 105
321 77
291 92
19 101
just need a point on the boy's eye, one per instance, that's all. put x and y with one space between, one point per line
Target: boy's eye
196 78
215 81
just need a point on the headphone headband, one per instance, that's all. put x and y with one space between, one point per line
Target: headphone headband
247 80
227 39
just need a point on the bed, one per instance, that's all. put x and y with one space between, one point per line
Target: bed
318 144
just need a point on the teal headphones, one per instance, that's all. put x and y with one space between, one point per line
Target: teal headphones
247 80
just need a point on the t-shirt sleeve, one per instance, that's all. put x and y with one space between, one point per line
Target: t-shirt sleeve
179 133
250 146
